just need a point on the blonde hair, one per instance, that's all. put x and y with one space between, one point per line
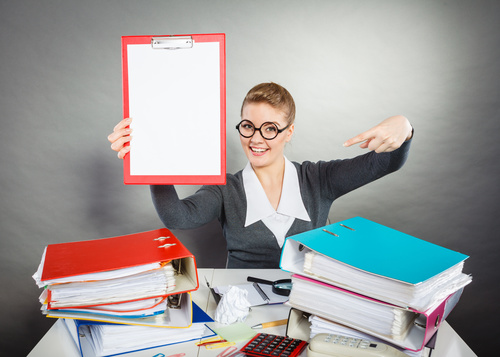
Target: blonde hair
274 95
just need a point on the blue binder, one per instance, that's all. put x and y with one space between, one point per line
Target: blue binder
377 259
378 249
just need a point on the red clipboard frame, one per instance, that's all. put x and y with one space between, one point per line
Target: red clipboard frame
219 179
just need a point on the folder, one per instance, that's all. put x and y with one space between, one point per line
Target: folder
172 318
369 315
174 89
136 338
376 261
130 310
81 261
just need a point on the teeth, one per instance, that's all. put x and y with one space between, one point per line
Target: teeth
258 150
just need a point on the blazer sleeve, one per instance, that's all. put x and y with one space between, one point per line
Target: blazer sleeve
339 177
191 212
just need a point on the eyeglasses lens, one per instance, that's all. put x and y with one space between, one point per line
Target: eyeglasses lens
269 130
246 129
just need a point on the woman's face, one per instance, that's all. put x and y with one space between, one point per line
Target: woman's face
259 151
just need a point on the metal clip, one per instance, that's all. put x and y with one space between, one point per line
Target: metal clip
176 264
172 42
174 301
167 245
333 234
343 225
162 238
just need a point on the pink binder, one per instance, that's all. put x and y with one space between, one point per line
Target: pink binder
425 326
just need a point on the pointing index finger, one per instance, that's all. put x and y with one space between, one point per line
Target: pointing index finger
357 139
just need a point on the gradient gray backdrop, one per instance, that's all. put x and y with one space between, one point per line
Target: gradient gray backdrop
349 64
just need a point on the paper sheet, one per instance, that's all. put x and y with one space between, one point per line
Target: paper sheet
176 113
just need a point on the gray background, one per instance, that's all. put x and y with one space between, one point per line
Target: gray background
349 64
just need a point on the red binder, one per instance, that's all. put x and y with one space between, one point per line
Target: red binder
174 89
93 256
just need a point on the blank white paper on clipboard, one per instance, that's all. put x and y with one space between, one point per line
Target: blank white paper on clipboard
176 99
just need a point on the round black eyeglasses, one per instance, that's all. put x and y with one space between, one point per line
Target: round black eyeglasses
267 130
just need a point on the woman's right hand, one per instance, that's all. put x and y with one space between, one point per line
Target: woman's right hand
120 136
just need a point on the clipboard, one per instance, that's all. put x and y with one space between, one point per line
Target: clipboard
174 89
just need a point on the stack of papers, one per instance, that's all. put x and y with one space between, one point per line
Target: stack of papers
375 279
122 293
338 305
134 309
126 279
419 296
104 339
181 317
101 288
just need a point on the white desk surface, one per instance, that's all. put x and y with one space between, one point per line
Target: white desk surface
58 342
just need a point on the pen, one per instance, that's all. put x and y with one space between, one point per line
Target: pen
271 324
261 292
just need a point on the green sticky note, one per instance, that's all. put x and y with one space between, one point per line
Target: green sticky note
236 332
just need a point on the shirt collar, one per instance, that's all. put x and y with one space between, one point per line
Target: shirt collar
259 207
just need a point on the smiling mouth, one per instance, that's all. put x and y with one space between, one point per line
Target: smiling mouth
258 150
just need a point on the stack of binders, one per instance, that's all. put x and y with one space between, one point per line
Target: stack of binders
122 294
360 276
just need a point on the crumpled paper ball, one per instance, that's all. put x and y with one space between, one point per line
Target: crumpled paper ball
233 306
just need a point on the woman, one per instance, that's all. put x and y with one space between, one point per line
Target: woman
272 198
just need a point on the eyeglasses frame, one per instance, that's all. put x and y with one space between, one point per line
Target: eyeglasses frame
279 131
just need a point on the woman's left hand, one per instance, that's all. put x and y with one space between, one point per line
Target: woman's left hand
385 137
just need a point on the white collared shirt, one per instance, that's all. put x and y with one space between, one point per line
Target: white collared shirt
259 208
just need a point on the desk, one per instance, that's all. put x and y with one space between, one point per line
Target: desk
57 341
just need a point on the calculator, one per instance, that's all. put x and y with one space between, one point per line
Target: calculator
264 344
